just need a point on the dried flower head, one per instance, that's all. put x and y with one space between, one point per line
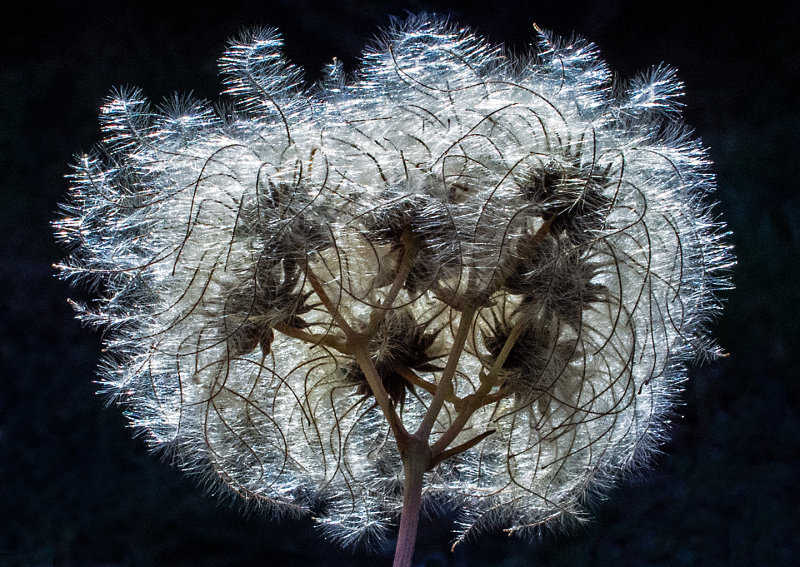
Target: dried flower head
460 272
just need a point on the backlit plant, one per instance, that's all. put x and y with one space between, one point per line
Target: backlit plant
459 278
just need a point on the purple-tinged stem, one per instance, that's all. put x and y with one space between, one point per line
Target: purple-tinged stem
415 462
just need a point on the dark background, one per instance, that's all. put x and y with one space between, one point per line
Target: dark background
76 489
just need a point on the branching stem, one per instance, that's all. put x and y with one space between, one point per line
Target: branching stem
416 450
319 289
313 339
357 344
445 388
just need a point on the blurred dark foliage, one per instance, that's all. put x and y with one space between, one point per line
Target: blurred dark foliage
76 489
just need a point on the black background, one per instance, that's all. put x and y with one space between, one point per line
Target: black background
76 489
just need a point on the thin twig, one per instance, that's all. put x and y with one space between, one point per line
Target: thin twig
319 289
364 360
410 248
459 448
445 386
313 339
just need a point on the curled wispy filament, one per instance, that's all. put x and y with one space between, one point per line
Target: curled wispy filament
510 256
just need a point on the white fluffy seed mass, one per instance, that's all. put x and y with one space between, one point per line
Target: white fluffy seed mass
567 212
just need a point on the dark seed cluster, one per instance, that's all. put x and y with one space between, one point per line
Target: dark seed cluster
427 225
491 268
401 345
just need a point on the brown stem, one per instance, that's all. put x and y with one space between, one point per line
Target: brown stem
445 387
494 397
412 378
319 289
459 448
494 373
364 360
469 405
313 339
357 344
409 253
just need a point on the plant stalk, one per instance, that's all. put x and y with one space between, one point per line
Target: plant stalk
415 462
